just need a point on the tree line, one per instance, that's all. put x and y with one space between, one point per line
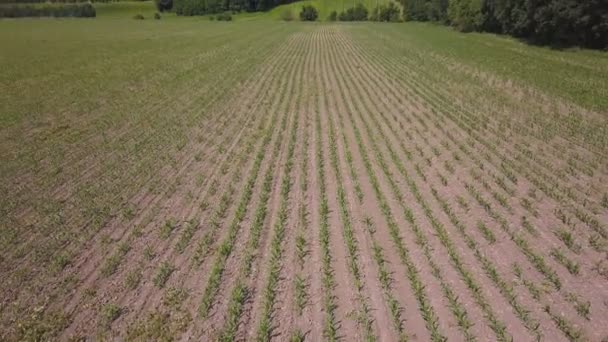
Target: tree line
201 7
80 10
552 22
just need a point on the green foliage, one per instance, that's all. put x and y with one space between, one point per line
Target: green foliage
156 327
133 279
170 225
85 10
138 17
333 16
202 7
109 313
553 22
191 7
415 10
163 5
41 326
388 13
465 15
309 13
111 264
438 10
164 272
357 13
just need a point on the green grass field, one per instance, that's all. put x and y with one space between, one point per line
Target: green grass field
258 179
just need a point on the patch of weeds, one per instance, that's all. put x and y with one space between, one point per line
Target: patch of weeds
156 327
41 326
133 279
167 229
570 265
598 243
128 213
105 239
568 239
109 313
532 288
200 179
462 203
527 204
164 272
487 233
528 226
149 253
111 264
571 332
137 232
582 307
300 293
297 336
90 292
60 262
174 297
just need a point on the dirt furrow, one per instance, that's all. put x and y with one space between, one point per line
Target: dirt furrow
285 310
371 289
244 250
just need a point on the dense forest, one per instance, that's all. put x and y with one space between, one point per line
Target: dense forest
555 22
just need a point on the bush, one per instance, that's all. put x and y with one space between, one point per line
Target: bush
333 16
388 13
309 13
138 17
163 5
157 16
48 10
287 14
357 13
465 15
211 18
226 16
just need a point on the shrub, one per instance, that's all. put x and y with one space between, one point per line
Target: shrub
138 17
333 16
226 16
287 15
157 16
357 13
309 13
163 5
211 17
48 10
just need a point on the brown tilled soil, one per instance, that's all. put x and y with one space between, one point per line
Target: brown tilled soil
443 222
